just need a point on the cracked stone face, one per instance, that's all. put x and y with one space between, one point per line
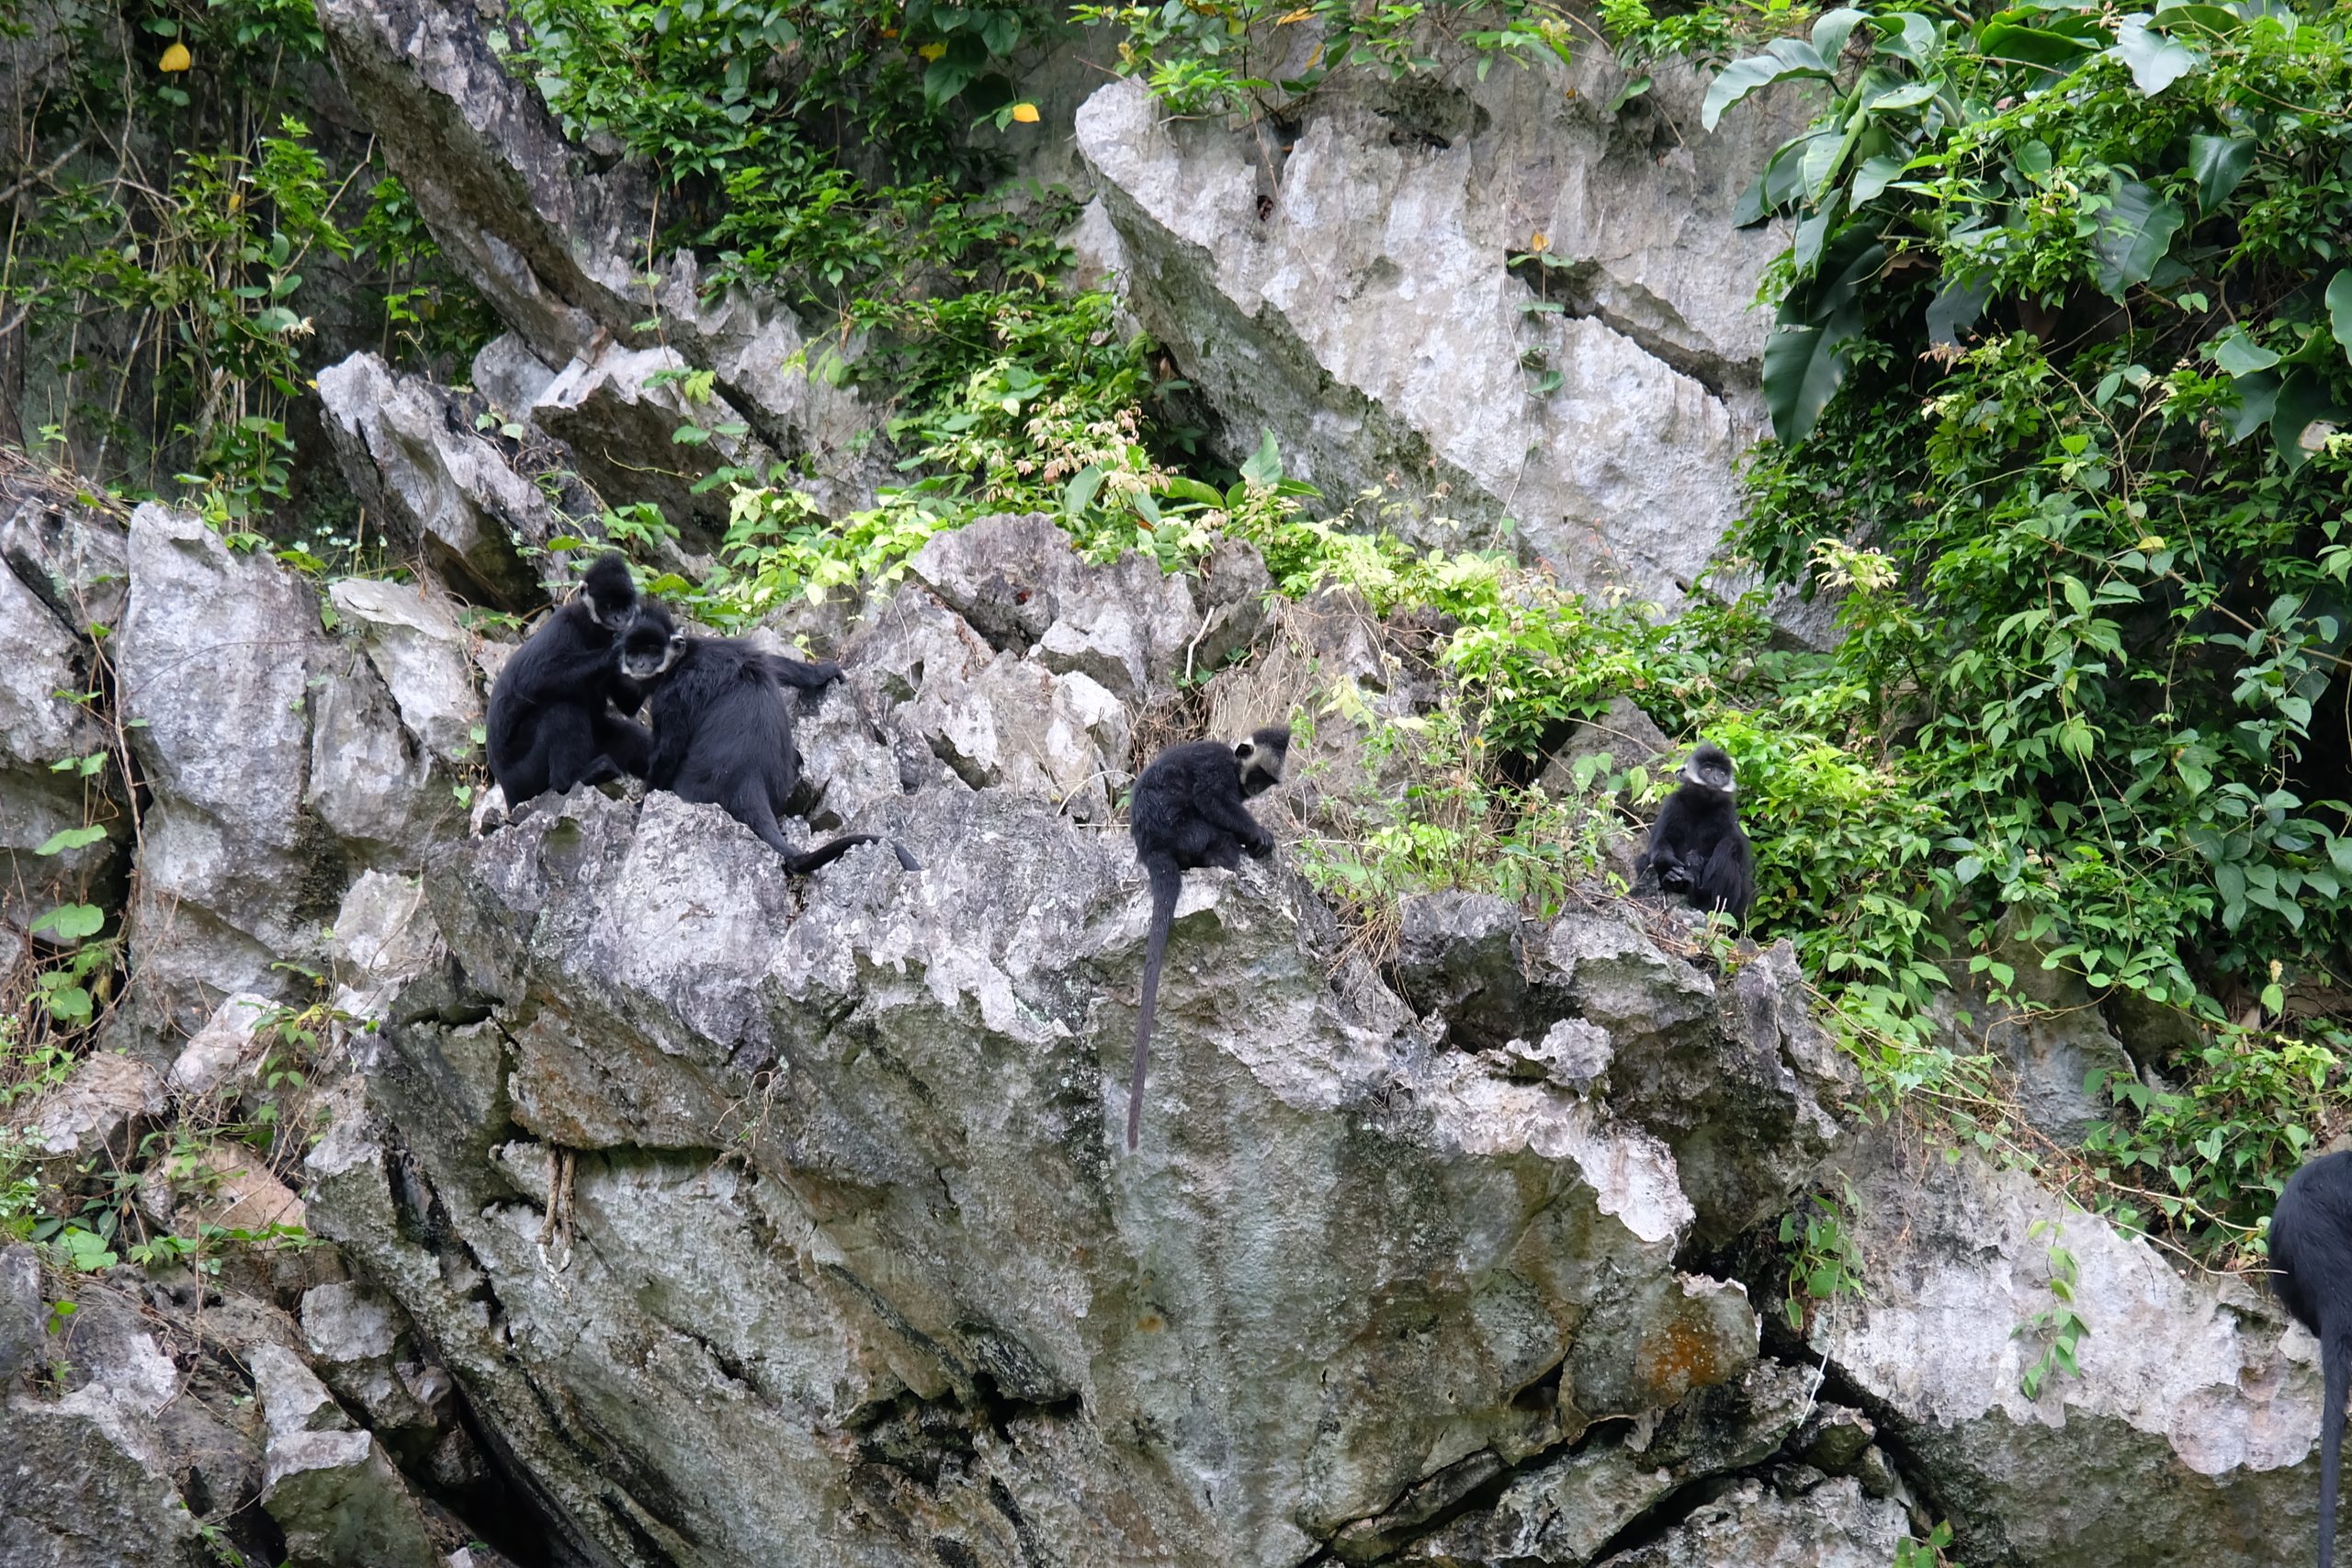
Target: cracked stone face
1361 304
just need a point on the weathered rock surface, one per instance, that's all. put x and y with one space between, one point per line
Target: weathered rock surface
554 237
970 1315
60 575
213 664
1349 291
2197 1409
98 1112
434 483
330 1485
93 1469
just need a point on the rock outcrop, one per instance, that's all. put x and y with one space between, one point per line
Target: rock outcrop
1345 281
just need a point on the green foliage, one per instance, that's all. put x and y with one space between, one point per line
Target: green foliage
1928 1553
160 266
2209 1161
2058 1326
1208 58
748 112
1825 1265
2062 336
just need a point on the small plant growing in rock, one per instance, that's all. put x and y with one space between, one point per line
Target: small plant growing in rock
2059 1321
1825 1265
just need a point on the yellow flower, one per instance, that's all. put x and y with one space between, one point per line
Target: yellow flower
932 51
1025 113
176 58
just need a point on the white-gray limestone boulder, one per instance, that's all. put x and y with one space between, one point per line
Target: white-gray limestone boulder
2197 1408
434 483
1349 291
412 635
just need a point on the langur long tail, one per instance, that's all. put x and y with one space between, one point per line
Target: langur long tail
2335 1365
1167 881
800 865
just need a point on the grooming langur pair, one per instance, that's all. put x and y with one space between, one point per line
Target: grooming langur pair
723 729
1696 846
561 713
1188 815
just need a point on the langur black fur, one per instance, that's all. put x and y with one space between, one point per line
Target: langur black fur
549 726
723 729
2311 1249
1188 815
1696 846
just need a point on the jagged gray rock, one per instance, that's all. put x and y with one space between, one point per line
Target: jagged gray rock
53 558
414 639
97 1113
555 237
330 1485
213 666
1018 581
2197 1408
1833 1525
94 1465
434 483
215 1053
1349 292
1050 1327
619 414
1567 1511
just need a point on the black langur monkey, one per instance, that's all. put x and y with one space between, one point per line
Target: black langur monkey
1696 846
548 728
722 730
2310 1251
1188 815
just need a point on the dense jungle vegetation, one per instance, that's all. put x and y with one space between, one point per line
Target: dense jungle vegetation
2063 353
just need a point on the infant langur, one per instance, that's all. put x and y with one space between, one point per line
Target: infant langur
1696 846
1187 814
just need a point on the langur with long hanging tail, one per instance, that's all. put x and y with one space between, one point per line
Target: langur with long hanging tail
1188 815
2310 1251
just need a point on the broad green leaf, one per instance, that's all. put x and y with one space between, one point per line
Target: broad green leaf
2257 400
70 839
2022 45
1265 465
2219 162
1802 370
1874 176
1080 494
2194 18
2154 60
2239 354
1851 258
2340 309
1812 229
2134 233
72 922
1907 37
1954 309
1784 60
1182 486
1908 97
1831 33
2305 414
